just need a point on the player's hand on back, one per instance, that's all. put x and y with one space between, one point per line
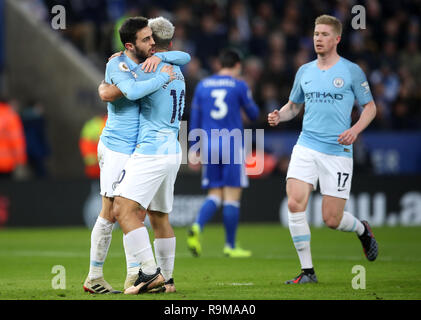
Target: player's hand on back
169 70
347 137
274 118
117 54
151 64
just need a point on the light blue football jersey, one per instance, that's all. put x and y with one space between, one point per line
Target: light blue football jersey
122 127
329 97
160 116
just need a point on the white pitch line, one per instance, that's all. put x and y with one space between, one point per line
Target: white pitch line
83 254
235 284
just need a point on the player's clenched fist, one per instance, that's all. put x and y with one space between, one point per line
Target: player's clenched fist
274 118
169 70
347 137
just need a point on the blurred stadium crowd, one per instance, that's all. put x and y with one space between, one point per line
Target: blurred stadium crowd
275 38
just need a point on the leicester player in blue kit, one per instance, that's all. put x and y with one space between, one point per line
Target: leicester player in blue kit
119 136
328 87
217 105
147 180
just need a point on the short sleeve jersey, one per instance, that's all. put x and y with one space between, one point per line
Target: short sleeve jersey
329 97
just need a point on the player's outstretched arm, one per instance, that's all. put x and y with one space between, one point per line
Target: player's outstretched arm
179 58
349 136
286 113
174 57
134 90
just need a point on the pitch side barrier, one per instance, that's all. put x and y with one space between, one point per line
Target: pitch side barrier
382 200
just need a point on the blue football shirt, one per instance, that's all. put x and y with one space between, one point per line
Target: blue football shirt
217 104
216 107
160 116
329 97
121 130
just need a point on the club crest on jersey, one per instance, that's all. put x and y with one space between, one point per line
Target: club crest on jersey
338 82
123 67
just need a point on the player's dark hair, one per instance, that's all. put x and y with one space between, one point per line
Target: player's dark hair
229 58
130 27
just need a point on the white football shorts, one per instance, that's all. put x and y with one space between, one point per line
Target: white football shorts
111 163
149 180
333 172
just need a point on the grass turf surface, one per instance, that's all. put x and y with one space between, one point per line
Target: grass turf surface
27 257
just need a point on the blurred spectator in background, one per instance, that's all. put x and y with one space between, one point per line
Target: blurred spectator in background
386 84
402 118
362 157
4 210
12 142
210 38
275 37
193 73
268 159
37 146
88 144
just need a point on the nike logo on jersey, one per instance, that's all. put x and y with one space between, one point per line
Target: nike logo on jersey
306 82
339 189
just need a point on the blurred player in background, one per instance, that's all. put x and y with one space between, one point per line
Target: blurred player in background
149 175
13 155
119 136
218 103
328 86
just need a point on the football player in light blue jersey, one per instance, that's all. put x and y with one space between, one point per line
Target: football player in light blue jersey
328 86
121 130
149 175
119 136
160 117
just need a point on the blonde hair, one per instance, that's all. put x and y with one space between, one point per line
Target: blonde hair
162 30
331 21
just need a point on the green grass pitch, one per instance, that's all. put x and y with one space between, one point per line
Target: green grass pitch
27 257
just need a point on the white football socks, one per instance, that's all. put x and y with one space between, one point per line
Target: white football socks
165 255
132 264
138 245
300 233
350 224
100 242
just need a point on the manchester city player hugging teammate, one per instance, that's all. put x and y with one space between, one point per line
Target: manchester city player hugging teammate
134 178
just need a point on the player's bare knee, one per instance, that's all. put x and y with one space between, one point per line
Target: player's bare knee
331 222
295 206
107 214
